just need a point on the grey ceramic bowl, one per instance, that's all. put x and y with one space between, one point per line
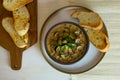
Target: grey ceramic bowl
79 56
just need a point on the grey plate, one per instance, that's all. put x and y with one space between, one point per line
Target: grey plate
90 60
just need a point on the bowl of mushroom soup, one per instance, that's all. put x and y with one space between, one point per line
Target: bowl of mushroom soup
66 42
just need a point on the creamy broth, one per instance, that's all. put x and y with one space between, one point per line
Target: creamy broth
66 43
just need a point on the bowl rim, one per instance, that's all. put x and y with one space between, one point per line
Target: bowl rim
40 38
76 25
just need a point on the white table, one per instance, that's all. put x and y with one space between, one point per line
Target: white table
34 66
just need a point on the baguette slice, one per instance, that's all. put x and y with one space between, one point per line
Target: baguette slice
12 5
21 17
99 39
25 38
7 24
22 30
88 19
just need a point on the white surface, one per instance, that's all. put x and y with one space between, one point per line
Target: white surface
107 69
34 67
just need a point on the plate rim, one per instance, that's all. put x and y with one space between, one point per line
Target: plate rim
41 38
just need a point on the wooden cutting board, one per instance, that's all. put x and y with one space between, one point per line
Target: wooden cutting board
6 41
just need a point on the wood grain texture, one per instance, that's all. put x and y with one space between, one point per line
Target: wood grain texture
36 68
7 42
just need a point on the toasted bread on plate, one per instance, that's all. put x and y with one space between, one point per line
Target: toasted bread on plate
88 19
99 39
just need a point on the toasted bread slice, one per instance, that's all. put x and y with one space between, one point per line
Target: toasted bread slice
99 39
12 5
7 24
22 30
88 19
25 38
21 17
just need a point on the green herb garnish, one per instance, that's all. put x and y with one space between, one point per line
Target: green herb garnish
59 42
65 35
71 45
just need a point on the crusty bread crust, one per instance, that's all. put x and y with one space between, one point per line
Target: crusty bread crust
16 5
93 28
85 17
99 27
25 38
107 46
23 30
21 20
98 39
7 24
